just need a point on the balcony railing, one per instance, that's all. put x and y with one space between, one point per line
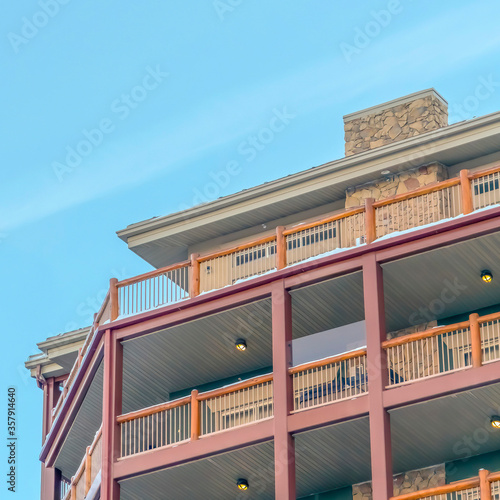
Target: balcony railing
87 472
346 229
104 315
486 486
329 380
196 415
443 349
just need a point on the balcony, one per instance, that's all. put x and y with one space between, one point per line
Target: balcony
290 246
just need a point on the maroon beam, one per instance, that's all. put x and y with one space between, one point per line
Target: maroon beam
380 429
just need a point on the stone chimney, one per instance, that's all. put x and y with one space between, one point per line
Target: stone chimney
394 121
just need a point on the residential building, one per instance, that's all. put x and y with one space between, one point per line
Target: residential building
333 334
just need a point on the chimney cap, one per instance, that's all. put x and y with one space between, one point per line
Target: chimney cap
395 102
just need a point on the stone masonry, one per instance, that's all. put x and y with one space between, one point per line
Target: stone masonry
394 121
394 184
408 482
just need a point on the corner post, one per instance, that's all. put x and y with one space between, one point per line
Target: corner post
484 485
280 248
284 443
370 226
380 428
466 192
113 297
475 337
111 408
195 415
194 285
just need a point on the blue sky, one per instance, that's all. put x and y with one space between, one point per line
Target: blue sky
171 92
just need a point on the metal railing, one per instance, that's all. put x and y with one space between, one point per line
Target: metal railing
329 380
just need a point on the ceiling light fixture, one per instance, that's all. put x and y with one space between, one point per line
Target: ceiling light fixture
242 484
241 345
385 172
495 421
487 276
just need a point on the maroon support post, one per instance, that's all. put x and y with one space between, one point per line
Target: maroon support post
380 430
284 447
111 408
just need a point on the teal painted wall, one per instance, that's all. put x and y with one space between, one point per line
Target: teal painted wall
340 494
463 469
221 383
465 316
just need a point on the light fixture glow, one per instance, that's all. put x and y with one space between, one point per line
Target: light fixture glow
487 276
242 484
241 345
495 421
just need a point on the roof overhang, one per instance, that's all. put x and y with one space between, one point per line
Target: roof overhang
58 354
164 240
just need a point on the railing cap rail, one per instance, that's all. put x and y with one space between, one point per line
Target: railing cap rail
326 361
430 188
302 227
152 274
432 332
243 246
228 389
484 172
151 410
440 490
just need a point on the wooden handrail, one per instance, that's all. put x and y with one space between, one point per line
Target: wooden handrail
245 384
151 410
102 309
489 317
152 274
483 173
432 332
430 188
332 218
322 362
243 246
440 490
145 412
85 466
494 476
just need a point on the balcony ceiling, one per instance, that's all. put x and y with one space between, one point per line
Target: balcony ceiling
164 240
424 286
82 432
430 433
195 353
332 457
213 477
329 304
